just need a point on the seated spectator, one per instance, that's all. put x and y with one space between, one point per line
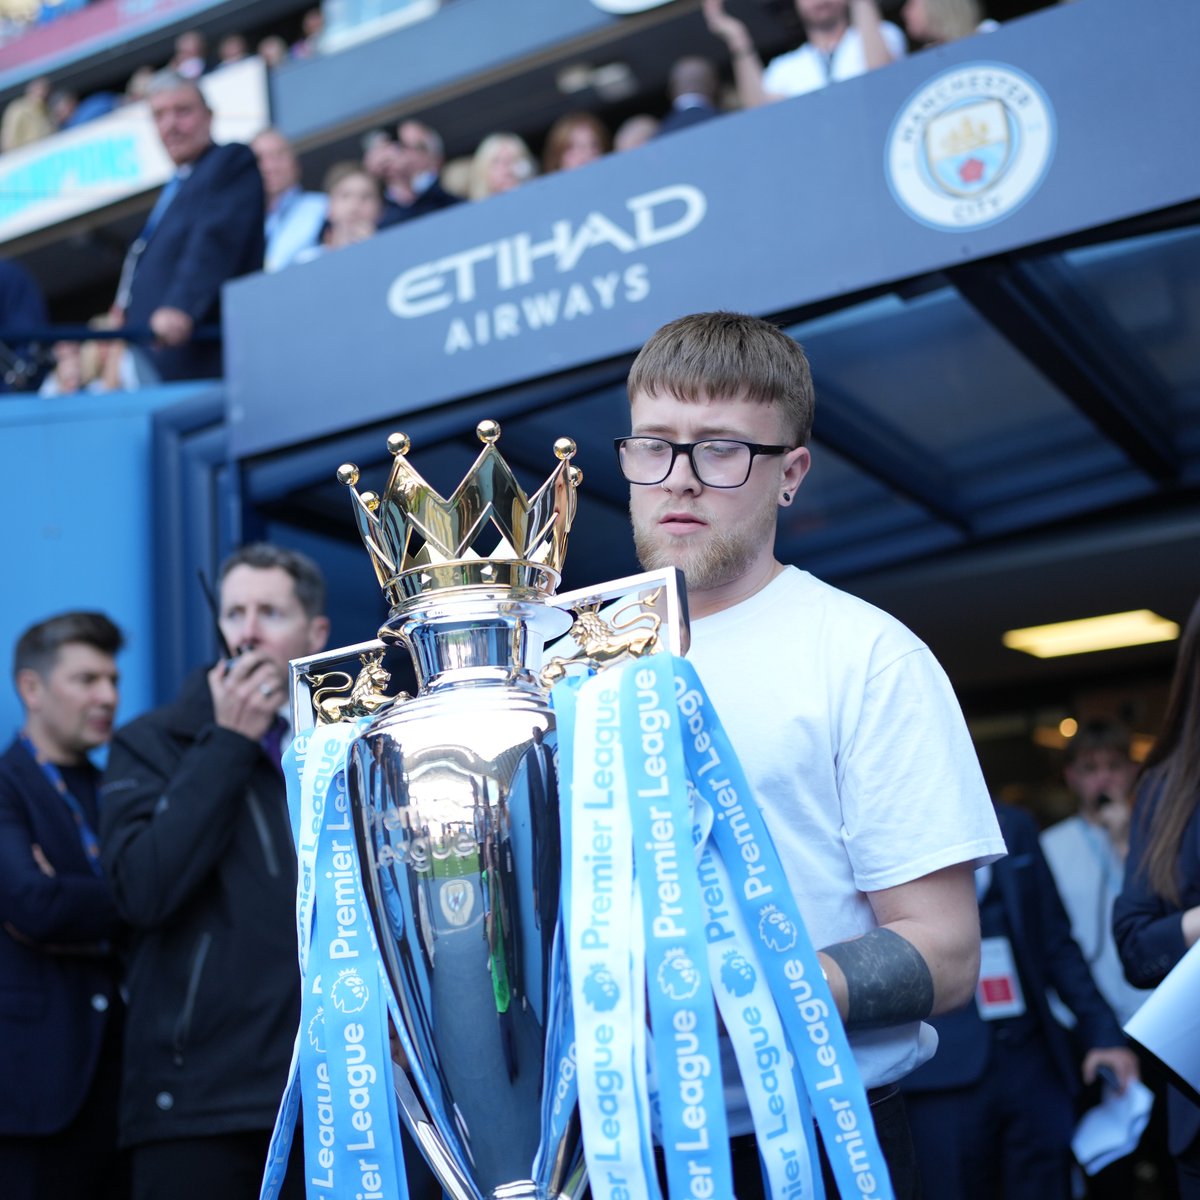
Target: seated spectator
934 22
138 86
27 118
694 87
273 50
409 169
190 58
635 131
502 162
295 218
62 105
575 140
93 105
232 49
312 25
843 38
355 206
68 375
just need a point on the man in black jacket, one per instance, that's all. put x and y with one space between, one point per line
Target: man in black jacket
198 846
992 1113
205 228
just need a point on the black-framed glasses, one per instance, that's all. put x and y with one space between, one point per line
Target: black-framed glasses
716 462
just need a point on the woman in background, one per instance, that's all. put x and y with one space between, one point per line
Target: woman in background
501 163
1156 919
574 140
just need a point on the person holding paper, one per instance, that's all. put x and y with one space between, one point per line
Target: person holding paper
1156 918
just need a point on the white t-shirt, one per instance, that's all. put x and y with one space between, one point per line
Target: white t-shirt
856 749
1089 876
806 69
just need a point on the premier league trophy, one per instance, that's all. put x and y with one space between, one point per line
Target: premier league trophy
455 805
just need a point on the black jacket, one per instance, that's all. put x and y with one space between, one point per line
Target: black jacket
1046 956
58 979
1149 932
196 841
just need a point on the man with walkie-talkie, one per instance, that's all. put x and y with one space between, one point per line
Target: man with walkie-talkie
197 843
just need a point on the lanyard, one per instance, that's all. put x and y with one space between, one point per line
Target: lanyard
87 836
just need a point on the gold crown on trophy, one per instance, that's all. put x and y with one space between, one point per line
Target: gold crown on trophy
421 543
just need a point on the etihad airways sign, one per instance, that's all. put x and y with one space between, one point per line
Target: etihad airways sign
535 279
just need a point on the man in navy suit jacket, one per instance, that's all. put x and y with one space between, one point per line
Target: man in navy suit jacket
992 1113
206 228
60 1011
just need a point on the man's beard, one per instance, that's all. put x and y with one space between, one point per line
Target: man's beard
710 559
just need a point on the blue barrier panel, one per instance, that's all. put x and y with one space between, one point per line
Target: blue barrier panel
78 505
992 144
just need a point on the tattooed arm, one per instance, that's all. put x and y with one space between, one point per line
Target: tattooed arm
923 958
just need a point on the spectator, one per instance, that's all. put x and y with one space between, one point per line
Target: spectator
190 58
93 105
273 50
295 218
138 86
501 163
67 377
1086 852
206 228
934 22
22 310
61 1020
997 1100
635 131
27 118
865 775
355 206
197 842
232 49
62 104
1156 918
694 88
844 38
575 140
412 164
312 25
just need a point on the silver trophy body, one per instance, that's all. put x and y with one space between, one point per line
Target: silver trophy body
456 819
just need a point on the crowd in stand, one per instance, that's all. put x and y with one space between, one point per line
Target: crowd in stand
403 173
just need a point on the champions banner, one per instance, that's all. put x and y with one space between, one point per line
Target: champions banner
661 819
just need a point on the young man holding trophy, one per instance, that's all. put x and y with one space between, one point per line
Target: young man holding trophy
847 729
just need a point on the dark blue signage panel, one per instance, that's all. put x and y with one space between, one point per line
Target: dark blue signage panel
994 143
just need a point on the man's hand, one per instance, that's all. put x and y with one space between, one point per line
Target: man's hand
172 326
1122 1062
247 697
43 863
729 29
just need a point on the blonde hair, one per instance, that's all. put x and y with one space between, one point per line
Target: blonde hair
480 188
949 20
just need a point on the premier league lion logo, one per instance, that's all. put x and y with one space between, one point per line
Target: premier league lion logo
738 974
677 976
316 1031
600 989
349 992
775 929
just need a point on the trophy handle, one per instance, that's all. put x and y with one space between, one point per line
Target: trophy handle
324 691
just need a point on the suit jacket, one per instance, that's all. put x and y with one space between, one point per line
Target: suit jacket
1046 956
1150 935
684 118
58 983
211 232
430 200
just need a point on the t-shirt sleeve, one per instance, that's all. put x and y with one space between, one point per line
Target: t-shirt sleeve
894 39
913 797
